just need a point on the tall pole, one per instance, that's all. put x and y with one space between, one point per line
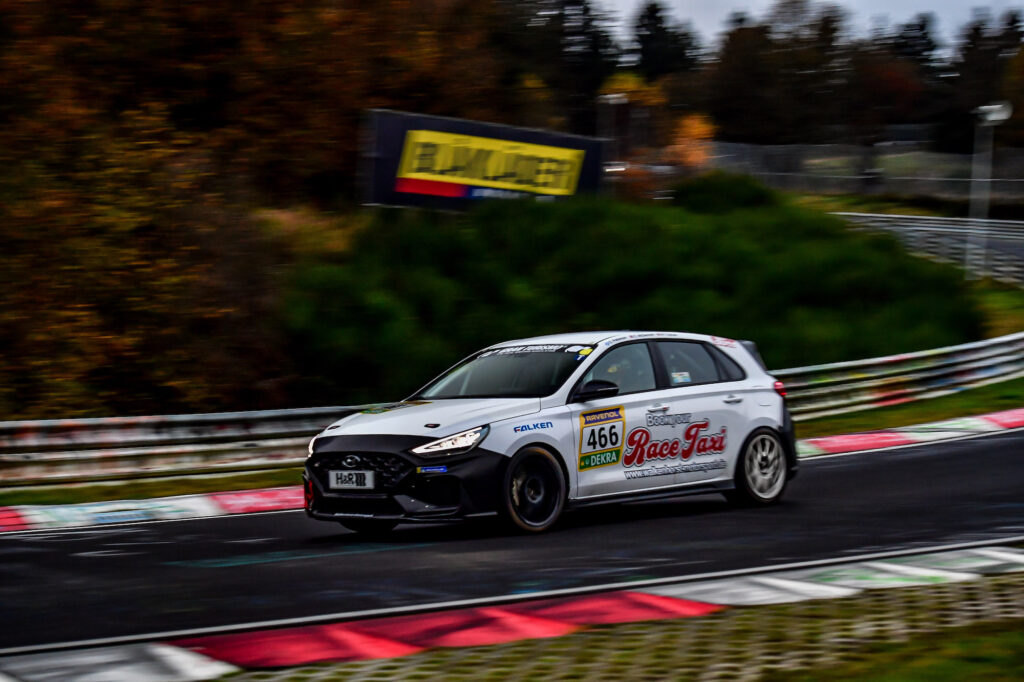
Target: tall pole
981 191
989 116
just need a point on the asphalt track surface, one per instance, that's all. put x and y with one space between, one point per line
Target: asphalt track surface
62 586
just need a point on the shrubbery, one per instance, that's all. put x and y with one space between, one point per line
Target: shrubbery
719 192
416 290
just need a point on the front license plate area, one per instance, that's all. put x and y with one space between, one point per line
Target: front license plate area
354 479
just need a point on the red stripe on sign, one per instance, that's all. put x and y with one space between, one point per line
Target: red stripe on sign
11 519
854 442
432 187
269 499
398 636
1010 419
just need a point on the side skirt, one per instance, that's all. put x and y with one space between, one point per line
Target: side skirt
664 493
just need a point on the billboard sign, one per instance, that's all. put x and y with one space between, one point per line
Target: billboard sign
436 162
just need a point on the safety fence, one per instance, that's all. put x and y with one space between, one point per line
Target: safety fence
82 450
987 248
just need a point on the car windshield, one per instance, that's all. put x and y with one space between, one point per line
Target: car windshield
510 372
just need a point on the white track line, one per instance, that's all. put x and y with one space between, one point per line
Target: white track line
499 599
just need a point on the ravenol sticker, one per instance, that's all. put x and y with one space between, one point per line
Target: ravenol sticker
601 437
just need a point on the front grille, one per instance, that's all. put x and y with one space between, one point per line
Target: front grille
390 469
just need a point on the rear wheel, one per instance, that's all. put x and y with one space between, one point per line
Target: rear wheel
761 473
534 490
369 526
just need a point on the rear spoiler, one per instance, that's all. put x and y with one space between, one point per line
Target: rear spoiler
752 349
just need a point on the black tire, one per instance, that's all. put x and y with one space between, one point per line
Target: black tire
533 490
761 471
369 526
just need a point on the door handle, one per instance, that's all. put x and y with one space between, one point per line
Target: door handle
660 408
733 400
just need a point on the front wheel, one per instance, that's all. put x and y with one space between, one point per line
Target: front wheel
761 473
534 490
369 527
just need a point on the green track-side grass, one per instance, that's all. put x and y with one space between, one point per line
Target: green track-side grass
1002 306
1007 395
982 652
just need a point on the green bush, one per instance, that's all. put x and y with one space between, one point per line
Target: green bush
417 290
719 192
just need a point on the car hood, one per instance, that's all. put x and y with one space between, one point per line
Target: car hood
446 417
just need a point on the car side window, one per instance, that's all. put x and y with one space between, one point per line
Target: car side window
688 362
628 367
728 367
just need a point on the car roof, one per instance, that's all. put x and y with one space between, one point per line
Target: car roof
595 337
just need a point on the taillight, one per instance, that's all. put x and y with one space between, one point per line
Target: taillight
780 388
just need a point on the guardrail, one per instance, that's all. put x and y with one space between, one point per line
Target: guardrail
82 450
995 247
837 388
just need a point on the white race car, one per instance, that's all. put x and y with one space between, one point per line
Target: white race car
531 427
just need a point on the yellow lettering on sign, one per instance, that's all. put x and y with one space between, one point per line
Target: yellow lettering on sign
488 162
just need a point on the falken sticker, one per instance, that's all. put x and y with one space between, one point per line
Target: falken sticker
601 433
533 427
432 470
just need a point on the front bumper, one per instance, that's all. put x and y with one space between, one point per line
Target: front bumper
407 488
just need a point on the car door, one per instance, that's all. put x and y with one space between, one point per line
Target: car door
602 426
706 410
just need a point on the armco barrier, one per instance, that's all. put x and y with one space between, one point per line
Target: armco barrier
80 450
839 387
988 248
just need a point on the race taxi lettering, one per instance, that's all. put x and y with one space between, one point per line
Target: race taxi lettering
641 448
601 434
533 427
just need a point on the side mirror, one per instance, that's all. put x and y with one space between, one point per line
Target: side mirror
595 390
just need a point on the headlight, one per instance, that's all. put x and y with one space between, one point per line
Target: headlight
453 445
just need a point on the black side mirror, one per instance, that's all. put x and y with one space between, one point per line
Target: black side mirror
595 390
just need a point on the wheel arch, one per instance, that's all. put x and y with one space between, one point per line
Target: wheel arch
558 457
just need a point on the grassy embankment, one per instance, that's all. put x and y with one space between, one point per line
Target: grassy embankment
982 652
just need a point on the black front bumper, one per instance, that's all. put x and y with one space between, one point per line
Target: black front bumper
407 487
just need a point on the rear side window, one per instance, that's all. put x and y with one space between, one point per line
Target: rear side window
728 368
688 362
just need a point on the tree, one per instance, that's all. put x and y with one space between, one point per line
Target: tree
975 76
661 48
